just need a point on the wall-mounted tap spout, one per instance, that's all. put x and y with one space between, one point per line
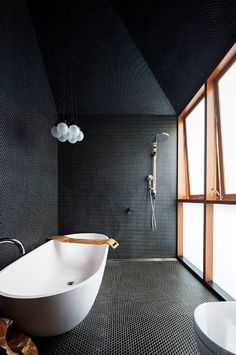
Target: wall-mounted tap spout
14 241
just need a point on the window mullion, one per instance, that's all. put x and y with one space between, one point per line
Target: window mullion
219 143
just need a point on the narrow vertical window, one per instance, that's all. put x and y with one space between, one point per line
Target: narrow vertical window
193 234
224 261
195 131
226 89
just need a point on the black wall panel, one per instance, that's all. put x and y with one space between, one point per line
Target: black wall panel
28 154
105 174
181 40
98 74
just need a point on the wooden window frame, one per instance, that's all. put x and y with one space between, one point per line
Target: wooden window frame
183 163
183 190
201 95
213 175
221 170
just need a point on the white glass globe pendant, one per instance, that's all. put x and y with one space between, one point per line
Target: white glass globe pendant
80 136
72 140
74 131
64 132
55 133
67 135
62 128
62 139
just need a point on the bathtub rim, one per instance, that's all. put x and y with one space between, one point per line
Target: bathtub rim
70 288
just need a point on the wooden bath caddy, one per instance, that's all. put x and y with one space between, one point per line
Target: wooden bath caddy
65 239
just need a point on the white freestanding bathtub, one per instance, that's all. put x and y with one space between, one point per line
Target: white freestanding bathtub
51 289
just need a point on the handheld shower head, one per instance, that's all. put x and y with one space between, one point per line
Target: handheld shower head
160 137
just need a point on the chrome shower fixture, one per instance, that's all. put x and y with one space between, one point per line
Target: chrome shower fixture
151 179
160 137
63 132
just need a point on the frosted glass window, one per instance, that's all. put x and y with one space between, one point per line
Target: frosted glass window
227 104
224 248
195 129
193 233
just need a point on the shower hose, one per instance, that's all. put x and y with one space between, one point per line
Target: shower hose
153 205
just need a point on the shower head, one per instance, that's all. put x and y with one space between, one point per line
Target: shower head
160 137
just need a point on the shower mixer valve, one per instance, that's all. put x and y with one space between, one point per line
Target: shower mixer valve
150 181
154 149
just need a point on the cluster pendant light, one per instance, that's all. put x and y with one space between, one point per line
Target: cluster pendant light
66 129
71 133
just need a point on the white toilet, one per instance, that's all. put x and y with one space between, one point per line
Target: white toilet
215 328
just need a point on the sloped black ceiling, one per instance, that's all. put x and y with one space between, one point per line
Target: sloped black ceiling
181 40
88 50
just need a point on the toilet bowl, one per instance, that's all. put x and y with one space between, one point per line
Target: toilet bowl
215 328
